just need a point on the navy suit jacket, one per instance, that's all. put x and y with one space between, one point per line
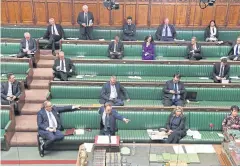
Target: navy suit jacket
16 90
42 118
113 117
158 33
32 45
106 91
170 86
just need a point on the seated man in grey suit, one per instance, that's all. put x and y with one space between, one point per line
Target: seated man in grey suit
108 117
113 92
129 30
221 71
115 49
49 124
234 53
28 47
10 91
63 67
166 32
194 50
174 92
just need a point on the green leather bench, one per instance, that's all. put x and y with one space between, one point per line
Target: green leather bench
108 34
21 71
9 49
7 127
133 52
136 129
142 96
147 72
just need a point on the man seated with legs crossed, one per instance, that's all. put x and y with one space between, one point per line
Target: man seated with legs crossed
49 125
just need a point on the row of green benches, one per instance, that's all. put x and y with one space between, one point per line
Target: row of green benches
108 34
136 129
132 52
142 96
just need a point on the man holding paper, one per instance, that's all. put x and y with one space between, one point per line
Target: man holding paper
85 20
63 67
108 124
115 49
221 71
28 47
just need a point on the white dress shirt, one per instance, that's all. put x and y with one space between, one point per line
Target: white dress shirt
27 45
52 121
221 71
64 65
113 94
213 31
238 51
55 29
9 89
115 47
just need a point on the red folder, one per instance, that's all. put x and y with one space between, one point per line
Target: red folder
69 132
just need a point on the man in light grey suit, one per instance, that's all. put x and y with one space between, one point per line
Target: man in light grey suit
85 20
28 47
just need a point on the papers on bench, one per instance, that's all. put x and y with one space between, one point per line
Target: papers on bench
72 38
81 56
156 135
12 55
79 131
105 140
203 78
82 76
199 148
234 77
101 39
194 133
134 77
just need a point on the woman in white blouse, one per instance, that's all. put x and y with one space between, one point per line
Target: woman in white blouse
211 32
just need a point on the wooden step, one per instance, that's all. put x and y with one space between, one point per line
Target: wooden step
31 108
39 84
36 95
26 123
43 74
47 55
24 139
45 63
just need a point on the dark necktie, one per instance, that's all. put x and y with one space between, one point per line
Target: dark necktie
62 67
85 18
222 71
107 121
236 51
166 31
176 90
53 30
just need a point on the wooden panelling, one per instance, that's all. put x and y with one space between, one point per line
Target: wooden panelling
145 13
4 13
26 12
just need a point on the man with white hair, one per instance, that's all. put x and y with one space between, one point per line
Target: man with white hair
28 47
166 31
54 33
85 20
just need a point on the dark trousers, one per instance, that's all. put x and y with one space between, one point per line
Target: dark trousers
31 56
232 57
15 105
116 56
107 132
50 137
176 136
128 38
117 102
196 56
170 102
86 33
52 40
63 76
163 38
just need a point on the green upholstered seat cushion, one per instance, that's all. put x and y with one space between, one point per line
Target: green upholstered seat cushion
18 77
2 135
5 117
14 67
9 48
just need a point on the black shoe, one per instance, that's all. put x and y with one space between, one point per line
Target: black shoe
53 53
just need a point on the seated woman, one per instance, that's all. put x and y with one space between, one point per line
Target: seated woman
211 32
232 121
148 49
176 126
194 50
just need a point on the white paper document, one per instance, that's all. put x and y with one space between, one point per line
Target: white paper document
134 77
178 149
88 147
234 77
194 133
220 135
79 76
105 140
81 56
79 131
203 78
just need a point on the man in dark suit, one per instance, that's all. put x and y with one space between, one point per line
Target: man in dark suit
54 33
174 92
85 20
234 53
166 32
221 71
115 49
194 50
129 30
49 125
113 92
10 91
108 117
63 67
28 47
